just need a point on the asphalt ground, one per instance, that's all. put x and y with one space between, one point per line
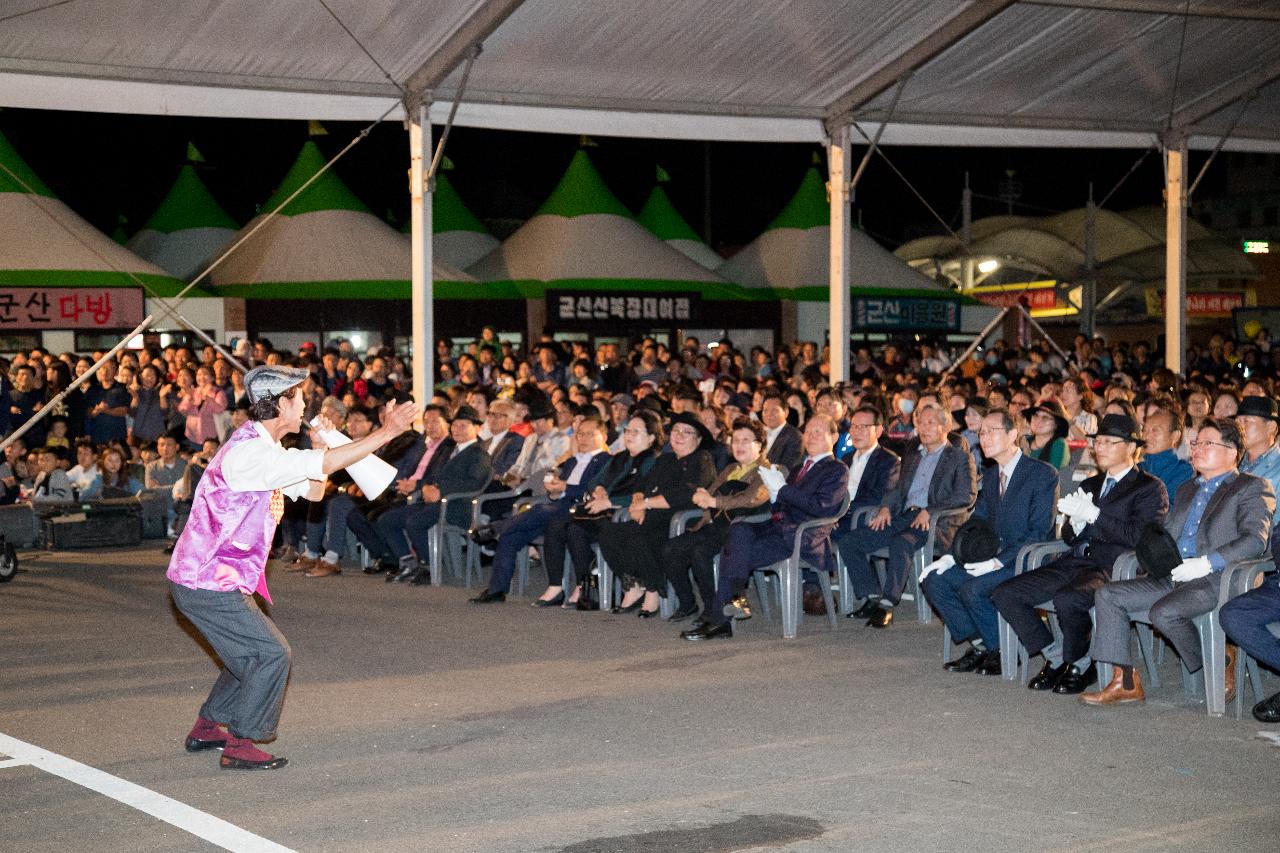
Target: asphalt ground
418 721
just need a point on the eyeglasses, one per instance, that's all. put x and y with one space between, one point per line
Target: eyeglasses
862 426
982 432
687 432
1108 442
1195 444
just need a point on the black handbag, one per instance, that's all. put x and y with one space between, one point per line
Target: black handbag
589 593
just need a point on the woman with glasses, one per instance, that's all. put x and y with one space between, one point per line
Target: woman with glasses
633 548
642 438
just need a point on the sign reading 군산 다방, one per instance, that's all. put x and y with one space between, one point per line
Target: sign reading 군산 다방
70 307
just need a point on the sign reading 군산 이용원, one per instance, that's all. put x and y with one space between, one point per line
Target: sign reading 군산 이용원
905 312
586 308
70 307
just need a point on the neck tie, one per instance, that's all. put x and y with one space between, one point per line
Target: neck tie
804 469
1106 487
1004 481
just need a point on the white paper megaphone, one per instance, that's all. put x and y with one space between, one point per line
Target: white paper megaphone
371 474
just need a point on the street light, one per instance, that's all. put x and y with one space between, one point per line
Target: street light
988 266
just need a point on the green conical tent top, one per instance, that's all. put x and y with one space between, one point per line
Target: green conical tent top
808 208
582 191
327 193
11 162
189 205
449 212
660 216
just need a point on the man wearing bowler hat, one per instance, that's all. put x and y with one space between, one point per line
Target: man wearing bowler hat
1016 504
219 561
1221 517
467 469
1259 421
1105 518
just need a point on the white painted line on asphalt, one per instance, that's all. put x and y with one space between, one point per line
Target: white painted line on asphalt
214 830
12 762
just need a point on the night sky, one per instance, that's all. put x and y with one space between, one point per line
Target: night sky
106 166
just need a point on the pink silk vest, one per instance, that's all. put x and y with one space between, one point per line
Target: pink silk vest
227 539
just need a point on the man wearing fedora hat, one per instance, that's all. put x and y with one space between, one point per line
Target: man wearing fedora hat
1221 517
1259 422
1016 502
466 469
1105 518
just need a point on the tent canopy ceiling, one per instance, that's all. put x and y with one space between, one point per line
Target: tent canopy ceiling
996 72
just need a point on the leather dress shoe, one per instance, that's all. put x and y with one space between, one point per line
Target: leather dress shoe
1268 710
865 610
1116 693
682 613
880 618
990 663
489 597
322 570
1074 681
647 614
422 577
739 609
813 603
194 744
1048 677
703 631
408 568
618 609
967 662
554 601
276 762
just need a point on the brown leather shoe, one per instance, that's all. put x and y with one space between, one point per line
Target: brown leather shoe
322 569
1232 654
1115 692
302 563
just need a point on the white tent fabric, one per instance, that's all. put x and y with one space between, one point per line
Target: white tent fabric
592 246
998 72
792 258
323 246
59 243
460 249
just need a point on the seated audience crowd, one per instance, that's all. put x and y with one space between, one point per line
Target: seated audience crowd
685 472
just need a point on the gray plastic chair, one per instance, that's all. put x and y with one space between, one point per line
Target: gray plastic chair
921 557
789 573
1013 655
1213 642
448 541
1244 580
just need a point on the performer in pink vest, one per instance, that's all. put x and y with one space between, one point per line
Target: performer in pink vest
220 560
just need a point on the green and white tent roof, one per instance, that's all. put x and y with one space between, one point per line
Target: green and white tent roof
583 236
660 216
460 239
187 229
44 243
792 256
324 244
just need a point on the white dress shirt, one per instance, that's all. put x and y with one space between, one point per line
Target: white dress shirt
858 466
262 465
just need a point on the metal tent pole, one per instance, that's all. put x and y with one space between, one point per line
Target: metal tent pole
1175 273
839 164
422 336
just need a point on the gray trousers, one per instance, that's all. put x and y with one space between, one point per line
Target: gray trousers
255 659
1171 608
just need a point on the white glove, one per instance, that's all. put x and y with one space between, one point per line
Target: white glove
773 480
1069 505
941 564
1089 511
1190 569
983 568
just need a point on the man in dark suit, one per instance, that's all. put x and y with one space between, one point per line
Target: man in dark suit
936 476
785 445
568 486
417 465
873 470
465 469
814 489
1246 620
1105 518
1220 517
503 446
1017 499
